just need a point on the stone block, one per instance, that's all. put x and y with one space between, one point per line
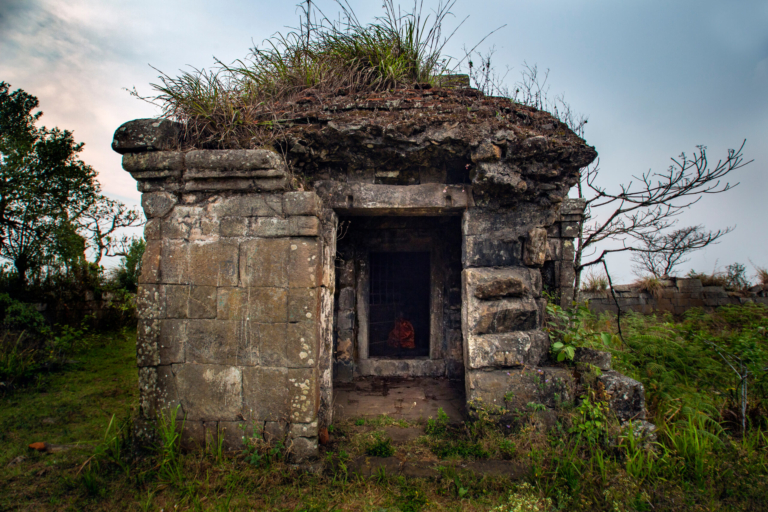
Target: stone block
267 305
190 301
304 226
303 392
535 248
148 392
150 301
553 231
347 299
497 283
269 227
221 342
346 273
626 396
301 203
554 249
233 434
152 231
232 303
142 135
689 285
213 264
304 429
247 205
275 431
232 163
594 357
303 449
157 204
516 388
346 320
509 224
304 263
573 206
343 371
304 305
505 350
273 349
301 345
197 435
482 252
227 181
569 252
172 341
264 262
256 305
167 395
147 338
345 345
569 229
500 316
154 165
210 392
233 226
266 394
150 262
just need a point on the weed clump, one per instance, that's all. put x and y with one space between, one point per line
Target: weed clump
380 446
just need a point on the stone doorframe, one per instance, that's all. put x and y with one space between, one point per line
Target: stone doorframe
416 367
425 200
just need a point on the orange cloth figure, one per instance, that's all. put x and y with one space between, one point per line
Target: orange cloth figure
402 335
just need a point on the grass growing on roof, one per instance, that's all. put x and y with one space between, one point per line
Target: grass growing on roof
234 104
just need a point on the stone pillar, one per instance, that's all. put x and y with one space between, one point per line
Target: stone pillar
502 307
235 296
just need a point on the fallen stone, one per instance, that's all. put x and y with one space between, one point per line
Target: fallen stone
626 396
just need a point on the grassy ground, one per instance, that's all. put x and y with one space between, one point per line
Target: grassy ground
585 462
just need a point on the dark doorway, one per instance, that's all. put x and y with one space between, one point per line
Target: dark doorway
399 305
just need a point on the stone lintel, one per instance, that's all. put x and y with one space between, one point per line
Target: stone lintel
368 199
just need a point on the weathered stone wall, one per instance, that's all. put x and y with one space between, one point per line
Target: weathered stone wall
676 296
235 296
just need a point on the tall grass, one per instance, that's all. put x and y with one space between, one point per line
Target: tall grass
235 105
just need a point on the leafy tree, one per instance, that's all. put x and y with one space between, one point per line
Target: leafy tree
44 186
127 274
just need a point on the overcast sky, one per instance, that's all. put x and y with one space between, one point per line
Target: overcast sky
655 78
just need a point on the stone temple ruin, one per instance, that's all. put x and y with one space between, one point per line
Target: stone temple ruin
401 234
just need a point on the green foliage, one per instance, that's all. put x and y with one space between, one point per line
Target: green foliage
127 273
169 450
567 330
591 422
437 427
261 452
380 446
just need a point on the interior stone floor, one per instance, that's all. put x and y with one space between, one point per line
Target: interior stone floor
399 398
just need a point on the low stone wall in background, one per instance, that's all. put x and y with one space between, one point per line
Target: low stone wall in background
676 296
